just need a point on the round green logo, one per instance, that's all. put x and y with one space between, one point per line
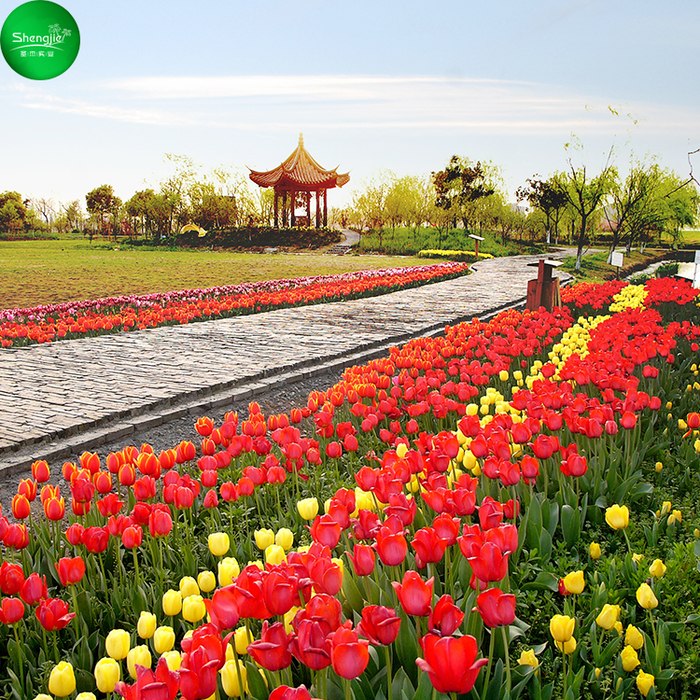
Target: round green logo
40 40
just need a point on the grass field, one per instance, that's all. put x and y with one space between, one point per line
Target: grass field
595 268
43 271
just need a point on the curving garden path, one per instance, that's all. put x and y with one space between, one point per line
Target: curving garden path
60 398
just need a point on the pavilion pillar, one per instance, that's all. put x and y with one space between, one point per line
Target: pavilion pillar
318 210
308 208
276 209
325 208
284 210
293 196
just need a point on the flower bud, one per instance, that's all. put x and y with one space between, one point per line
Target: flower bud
206 581
138 656
62 680
163 639
308 508
193 608
107 673
117 644
146 625
594 551
608 616
646 597
629 657
219 543
188 587
284 538
172 602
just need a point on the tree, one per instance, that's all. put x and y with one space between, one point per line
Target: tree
584 196
549 197
460 186
103 204
15 218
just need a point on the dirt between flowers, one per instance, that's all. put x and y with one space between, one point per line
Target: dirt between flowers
170 434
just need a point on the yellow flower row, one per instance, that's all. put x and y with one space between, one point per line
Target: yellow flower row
631 297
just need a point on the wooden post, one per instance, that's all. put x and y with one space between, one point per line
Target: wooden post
292 207
325 208
276 210
318 213
308 209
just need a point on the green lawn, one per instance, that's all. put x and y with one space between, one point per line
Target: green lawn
42 271
595 268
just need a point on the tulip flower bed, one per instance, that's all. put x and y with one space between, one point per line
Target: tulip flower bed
45 324
503 512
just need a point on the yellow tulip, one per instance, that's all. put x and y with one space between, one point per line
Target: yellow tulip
618 517
645 682
284 538
608 616
138 656
172 602
288 617
43 696
633 637
242 638
646 597
193 608
528 658
659 466
636 558
657 568
62 680
274 554
107 673
264 538
574 582
567 647
230 678
228 569
117 644
629 657
188 587
503 375
146 625
665 508
219 543
401 450
675 517
594 551
561 627
173 659
618 627
308 508
206 581
163 639
86 695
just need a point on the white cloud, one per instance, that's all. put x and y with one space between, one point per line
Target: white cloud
340 102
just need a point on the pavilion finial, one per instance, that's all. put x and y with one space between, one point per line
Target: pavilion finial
301 139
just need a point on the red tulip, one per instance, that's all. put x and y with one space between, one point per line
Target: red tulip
109 505
326 531
34 589
450 662
160 522
20 507
311 645
41 471
490 564
223 608
415 594
11 611
391 547
284 692
11 578
161 685
28 488
495 607
380 625
96 539
445 617
280 590
326 575
629 420
490 513
271 651
74 534
429 547
363 559
53 614
55 508
349 653
132 536
70 571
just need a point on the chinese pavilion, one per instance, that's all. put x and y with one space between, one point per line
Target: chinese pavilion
294 182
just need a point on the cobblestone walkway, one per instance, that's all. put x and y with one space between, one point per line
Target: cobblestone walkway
50 394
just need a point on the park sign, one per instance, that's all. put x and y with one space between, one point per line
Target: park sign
40 40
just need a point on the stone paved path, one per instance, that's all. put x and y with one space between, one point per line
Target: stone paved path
53 395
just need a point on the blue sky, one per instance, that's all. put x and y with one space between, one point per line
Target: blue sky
372 85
